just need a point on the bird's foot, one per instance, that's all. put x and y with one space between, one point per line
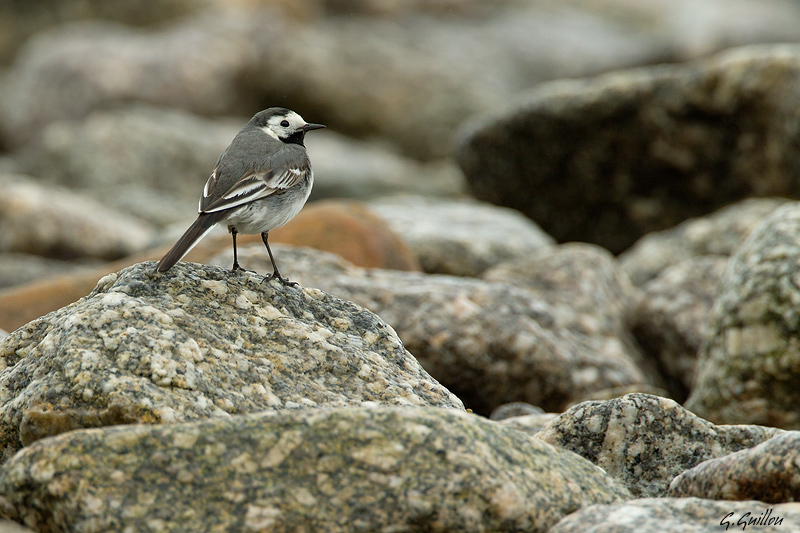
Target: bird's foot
285 281
236 267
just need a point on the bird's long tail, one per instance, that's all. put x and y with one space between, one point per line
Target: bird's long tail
204 223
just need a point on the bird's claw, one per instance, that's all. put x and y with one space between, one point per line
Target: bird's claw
236 268
285 281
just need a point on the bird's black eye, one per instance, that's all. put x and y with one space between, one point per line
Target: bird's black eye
285 123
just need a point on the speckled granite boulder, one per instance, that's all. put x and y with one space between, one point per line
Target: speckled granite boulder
767 472
198 342
585 285
461 237
670 321
749 369
682 515
609 159
54 222
720 233
644 441
347 469
490 343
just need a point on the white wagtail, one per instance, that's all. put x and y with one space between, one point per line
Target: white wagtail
260 182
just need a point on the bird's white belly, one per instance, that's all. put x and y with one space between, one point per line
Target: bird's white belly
270 212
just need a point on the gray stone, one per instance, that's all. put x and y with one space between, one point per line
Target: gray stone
348 168
21 20
337 470
198 342
720 233
748 370
438 68
161 148
16 269
681 515
591 294
490 343
670 322
609 159
582 280
362 71
461 237
508 410
192 65
54 222
767 472
530 424
644 441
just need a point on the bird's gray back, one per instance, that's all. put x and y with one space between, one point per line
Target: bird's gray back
257 152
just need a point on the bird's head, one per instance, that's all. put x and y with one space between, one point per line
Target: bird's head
283 124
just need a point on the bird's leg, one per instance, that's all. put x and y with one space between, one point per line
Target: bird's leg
275 274
236 266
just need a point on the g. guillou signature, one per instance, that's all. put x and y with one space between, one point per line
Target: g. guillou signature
747 519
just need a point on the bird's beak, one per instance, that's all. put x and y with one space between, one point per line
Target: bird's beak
309 127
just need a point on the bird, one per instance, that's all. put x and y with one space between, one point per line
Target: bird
260 182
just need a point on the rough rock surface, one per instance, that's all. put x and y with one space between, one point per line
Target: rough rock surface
461 237
347 469
585 285
769 472
638 151
54 222
682 515
490 343
644 441
747 372
195 343
670 322
720 233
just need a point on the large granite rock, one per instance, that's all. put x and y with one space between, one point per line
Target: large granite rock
592 295
489 342
609 159
767 472
195 343
682 515
671 319
644 441
461 237
337 470
748 370
718 234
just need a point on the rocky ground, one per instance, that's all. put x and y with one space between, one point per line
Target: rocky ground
549 279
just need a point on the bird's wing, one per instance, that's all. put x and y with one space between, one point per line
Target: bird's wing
252 186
